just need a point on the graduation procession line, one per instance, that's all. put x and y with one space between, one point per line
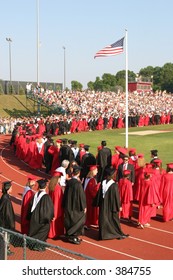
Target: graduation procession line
137 243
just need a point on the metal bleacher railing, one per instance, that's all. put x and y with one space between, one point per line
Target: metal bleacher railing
16 246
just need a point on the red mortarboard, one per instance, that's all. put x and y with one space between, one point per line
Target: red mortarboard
140 155
81 145
92 167
126 172
117 147
59 141
122 150
31 177
133 150
148 171
157 161
170 165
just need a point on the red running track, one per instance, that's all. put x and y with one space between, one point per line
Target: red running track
153 243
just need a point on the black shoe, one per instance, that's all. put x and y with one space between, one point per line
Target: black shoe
121 237
125 235
74 240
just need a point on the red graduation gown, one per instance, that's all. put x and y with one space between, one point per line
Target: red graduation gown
24 211
57 225
166 191
126 197
92 212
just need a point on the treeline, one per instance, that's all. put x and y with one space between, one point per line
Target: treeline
161 78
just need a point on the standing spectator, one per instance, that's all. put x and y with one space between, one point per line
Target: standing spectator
126 166
7 217
166 192
108 201
104 160
56 194
74 204
40 214
26 198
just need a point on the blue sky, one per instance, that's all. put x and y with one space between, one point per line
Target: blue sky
83 27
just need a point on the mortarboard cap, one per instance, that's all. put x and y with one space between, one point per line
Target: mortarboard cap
81 145
31 177
93 167
76 169
59 141
157 161
110 171
42 183
170 165
140 155
6 186
132 150
126 172
74 142
86 147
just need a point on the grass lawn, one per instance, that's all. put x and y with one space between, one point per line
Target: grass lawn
162 141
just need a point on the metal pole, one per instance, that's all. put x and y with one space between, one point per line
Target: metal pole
64 68
9 40
38 44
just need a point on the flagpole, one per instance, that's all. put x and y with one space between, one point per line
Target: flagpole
126 113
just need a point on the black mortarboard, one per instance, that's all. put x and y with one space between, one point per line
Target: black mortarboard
6 186
103 143
110 171
76 169
154 151
74 142
42 183
86 147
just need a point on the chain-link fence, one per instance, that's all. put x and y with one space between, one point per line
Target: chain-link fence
16 246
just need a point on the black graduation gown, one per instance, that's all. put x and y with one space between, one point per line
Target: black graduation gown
7 216
40 218
109 223
104 160
74 203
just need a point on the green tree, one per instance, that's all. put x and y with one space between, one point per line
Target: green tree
167 77
75 85
90 85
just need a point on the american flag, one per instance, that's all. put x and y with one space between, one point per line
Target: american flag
112 49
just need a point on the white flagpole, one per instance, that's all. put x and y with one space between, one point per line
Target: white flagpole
126 118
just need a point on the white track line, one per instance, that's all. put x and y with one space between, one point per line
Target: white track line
112 250
152 243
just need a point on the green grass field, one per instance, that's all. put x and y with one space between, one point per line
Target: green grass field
163 142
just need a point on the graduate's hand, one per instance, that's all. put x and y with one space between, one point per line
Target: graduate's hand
85 210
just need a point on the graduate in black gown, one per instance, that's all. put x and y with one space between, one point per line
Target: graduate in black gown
40 214
7 216
108 201
104 160
74 204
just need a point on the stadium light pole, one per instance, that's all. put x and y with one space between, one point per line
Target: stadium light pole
9 40
64 67
38 43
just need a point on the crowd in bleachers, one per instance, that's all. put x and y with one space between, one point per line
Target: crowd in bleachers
88 110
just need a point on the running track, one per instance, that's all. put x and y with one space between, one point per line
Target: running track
154 243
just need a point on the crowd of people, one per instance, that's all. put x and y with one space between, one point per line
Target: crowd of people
89 111
87 190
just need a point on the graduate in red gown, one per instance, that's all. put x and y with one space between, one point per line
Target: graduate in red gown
139 175
166 192
126 195
36 160
56 194
158 172
54 150
91 188
26 198
148 201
